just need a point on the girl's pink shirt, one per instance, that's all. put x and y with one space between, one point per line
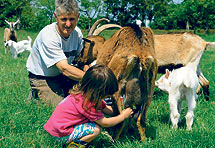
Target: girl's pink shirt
69 113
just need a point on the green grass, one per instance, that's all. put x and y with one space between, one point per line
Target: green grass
21 122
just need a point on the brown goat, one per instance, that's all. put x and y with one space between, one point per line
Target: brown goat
10 33
129 53
176 50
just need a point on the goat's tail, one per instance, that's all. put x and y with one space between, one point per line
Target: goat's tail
210 44
29 38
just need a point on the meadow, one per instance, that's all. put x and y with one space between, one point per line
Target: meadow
21 121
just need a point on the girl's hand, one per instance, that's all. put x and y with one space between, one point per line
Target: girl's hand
127 112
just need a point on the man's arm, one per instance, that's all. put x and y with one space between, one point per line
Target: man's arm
69 70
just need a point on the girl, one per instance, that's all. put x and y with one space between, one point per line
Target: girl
77 120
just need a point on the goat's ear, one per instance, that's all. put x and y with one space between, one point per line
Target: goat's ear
87 40
167 74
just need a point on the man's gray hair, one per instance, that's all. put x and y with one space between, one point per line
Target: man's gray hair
66 6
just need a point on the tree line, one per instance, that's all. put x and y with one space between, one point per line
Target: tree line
161 14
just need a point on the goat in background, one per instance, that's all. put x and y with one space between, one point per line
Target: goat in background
10 33
19 47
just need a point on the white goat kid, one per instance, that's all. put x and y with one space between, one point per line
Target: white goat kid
179 84
19 47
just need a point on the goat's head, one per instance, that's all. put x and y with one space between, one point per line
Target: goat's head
86 53
93 43
9 43
90 50
12 24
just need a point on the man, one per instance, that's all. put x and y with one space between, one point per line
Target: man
51 74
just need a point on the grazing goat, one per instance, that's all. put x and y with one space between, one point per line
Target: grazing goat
10 33
179 84
129 53
177 50
19 47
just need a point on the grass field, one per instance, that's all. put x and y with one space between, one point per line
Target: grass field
21 122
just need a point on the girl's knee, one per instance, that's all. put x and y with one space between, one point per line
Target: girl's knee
97 130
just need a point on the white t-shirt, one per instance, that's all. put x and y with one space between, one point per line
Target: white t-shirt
50 47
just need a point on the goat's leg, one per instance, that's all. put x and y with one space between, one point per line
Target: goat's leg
203 82
205 85
15 55
180 105
117 109
141 120
147 78
198 89
5 50
141 126
174 114
5 47
191 101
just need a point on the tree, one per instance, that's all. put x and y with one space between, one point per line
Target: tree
159 12
127 11
200 13
45 8
11 10
119 11
91 9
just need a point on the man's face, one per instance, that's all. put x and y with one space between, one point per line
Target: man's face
66 23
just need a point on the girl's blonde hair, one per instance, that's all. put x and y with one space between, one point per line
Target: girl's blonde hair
98 82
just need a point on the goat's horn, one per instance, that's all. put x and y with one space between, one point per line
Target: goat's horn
7 22
16 22
96 24
106 26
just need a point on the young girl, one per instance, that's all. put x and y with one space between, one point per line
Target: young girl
77 120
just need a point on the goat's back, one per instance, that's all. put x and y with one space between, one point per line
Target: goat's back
177 48
125 43
184 76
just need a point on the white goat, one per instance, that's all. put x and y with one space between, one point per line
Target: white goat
180 83
10 33
19 47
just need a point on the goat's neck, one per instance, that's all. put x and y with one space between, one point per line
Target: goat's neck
12 32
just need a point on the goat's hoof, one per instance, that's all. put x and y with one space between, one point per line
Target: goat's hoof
189 128
175 127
